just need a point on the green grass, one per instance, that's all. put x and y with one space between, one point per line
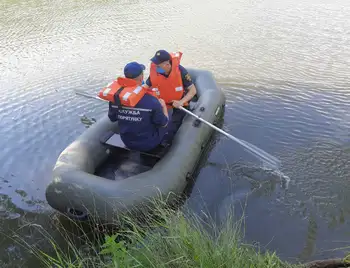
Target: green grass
170 238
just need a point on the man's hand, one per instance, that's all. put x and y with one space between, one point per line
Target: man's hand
164 108
177 104
162 102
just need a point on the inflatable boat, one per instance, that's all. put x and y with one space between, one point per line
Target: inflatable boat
98 176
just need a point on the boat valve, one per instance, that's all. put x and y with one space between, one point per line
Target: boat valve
197 122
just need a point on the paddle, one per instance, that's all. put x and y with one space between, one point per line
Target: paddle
264 156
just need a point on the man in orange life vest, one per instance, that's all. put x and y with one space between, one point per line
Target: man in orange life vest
173 84
143 127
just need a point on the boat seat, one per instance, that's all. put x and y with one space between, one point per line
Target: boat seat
114 140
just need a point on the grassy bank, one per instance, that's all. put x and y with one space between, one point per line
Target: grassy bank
170 239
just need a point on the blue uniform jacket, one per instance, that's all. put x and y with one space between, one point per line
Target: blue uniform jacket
141 129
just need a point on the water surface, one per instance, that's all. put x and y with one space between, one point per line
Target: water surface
284 67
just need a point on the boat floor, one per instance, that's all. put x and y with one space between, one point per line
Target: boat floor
122 164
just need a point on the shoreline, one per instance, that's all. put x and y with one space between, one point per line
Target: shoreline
167 238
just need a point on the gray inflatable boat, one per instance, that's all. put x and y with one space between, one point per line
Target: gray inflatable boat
97 176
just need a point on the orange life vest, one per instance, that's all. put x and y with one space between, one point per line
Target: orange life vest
170 88
129 92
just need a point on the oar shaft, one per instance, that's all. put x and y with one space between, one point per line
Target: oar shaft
209 124
244 144
88 95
